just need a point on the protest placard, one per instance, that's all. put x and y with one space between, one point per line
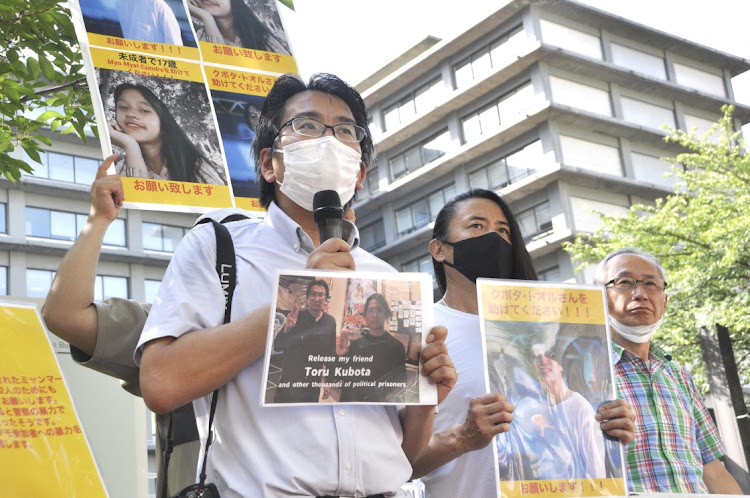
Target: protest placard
175 86
43 450
349 337
547 349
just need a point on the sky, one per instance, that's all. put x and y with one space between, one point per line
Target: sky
354 38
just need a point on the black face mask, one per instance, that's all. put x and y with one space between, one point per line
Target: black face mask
487 256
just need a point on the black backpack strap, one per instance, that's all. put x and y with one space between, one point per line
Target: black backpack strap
226 268
226 265
167 456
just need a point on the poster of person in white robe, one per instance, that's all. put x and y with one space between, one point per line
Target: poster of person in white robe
547 349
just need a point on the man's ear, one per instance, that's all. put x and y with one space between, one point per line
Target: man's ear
266 165
361 177
437 250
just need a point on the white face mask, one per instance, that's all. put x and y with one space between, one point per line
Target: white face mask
638 334
319 164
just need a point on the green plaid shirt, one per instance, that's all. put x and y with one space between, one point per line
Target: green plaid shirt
674 433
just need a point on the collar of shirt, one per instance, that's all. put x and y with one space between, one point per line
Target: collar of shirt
656 355
296 236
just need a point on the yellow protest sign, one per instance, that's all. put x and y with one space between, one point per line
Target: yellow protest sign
43 451
526 303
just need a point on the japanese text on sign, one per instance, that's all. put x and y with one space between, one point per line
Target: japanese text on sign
176 193
163 49
239 81
563 488
533 304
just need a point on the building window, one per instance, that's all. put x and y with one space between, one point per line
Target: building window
550 274
38 282
158 237
61 225
106 286
501 173
3 218
422 264
421 100
493 55
507 109
591 156
419 155
150 289
701 126
645 114
372 236
372 182
419 213
651 169
570 39
3 280
587 213
638 61
700 80
535 222
580 96
63 167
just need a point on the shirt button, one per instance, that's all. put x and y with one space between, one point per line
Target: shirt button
296 246
342 412
348 466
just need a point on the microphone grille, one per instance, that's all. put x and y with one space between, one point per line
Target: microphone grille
326 198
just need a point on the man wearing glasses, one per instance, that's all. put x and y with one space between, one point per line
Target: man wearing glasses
677 445
310 137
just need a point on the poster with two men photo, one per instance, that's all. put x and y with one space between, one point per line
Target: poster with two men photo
178 86
547 349
348 338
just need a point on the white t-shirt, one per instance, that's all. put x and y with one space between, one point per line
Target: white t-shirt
148 20
274 451
472 474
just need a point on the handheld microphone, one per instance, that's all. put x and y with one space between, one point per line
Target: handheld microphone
328 214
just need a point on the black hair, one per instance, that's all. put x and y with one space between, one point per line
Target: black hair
179 154
382 301
251 30
523 267
287 86
319 283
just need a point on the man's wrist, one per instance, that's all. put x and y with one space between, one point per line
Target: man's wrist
97 221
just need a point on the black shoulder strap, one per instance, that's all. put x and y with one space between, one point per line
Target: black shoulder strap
226 268
226 265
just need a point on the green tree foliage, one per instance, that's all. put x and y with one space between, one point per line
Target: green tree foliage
701 234
42 83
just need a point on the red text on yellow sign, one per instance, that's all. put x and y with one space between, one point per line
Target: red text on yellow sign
158 49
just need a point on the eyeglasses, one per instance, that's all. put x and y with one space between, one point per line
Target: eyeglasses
308 127
628 284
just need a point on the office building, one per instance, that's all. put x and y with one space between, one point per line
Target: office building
557 106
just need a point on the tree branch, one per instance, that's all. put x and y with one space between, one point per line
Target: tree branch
27 13
54 89
679 237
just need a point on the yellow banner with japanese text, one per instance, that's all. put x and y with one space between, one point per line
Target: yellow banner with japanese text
144 190
146 65
43 451
232 80
563 488
509 302
150 48
247 58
